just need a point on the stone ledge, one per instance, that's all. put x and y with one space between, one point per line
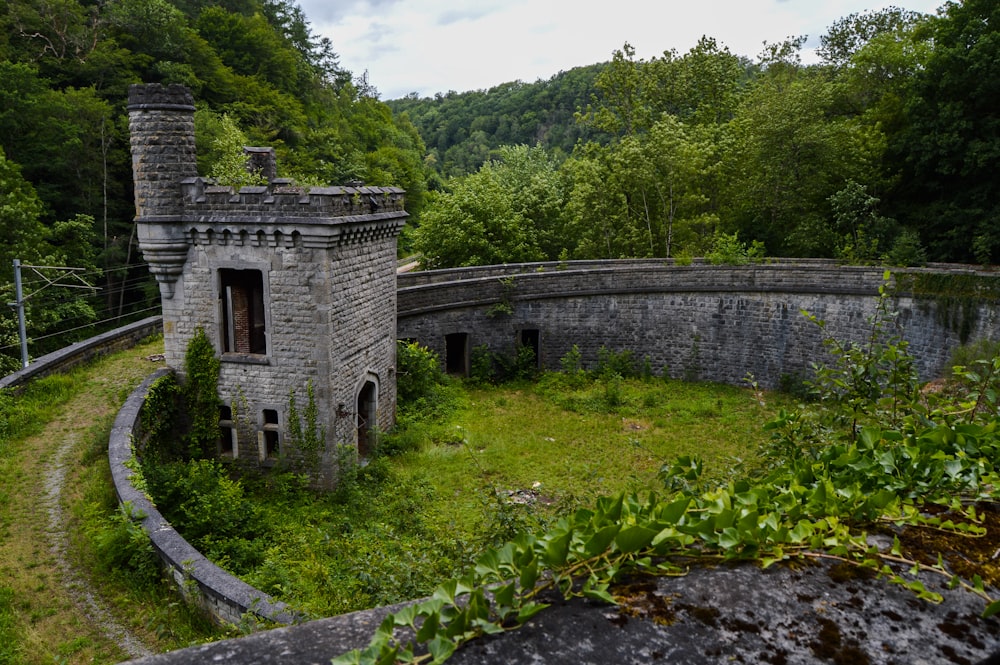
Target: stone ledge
803 615
80 352
225 598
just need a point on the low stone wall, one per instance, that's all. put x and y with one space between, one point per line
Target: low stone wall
716 323
225 598
66 359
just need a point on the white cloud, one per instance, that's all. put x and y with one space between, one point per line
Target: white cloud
429 46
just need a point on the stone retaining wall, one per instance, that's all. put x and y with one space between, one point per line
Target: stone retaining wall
224 598
717 323
66 359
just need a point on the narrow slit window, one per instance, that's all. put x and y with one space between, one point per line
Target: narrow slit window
227 432
241 303
271 434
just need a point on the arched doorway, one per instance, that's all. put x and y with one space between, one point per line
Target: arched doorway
367 418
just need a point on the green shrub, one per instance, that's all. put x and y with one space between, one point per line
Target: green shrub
209 508
969 355
423 390
610 363
123 548
201 395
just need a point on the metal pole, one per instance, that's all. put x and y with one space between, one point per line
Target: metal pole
20 313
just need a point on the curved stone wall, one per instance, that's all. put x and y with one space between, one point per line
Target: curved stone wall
224 597
696 321
717 323
69 357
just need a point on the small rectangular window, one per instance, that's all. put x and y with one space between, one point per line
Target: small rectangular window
270 435
241 304
227 432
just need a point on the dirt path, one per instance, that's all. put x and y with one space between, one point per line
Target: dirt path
53 480
61 618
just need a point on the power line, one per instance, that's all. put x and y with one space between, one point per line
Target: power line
83 327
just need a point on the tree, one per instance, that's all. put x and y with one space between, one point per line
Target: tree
508 211
849 35
618 107
788 154
703 86
949 149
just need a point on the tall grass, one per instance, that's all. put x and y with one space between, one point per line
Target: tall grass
9 650
488 463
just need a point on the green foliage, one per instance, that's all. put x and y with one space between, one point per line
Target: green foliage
201 395
865 232
160 419
230 167
463 130
572 362
366 547
824 489
907 250
728 249
23 413
9 651
123 548
868 383
974 354
509 211
423 390
610 364
947 149
489 367
306 434
210 509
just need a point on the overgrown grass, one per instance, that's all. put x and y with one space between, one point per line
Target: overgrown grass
110 545
487 463
574 440
9 648
39 620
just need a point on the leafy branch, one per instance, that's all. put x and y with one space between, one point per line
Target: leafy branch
872 455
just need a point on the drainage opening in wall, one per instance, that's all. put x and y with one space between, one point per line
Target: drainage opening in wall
456 353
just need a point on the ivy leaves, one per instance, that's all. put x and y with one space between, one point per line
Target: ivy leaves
873 454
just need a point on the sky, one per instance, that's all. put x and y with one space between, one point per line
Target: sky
431 46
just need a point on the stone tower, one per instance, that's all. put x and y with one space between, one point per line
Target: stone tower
295 287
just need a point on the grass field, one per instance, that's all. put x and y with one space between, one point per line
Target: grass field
500 460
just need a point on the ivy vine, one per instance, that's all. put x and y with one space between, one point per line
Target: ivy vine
308 437
837 471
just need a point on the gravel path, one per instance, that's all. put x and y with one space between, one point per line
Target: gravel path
76 586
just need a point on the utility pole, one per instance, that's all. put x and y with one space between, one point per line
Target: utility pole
20 298
19 304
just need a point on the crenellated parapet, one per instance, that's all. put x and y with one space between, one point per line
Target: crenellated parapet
282 214
176 209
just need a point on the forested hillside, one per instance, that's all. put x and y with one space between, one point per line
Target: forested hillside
260 77
885 151
464 130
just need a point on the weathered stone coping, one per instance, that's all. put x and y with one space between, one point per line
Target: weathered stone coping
806 266
225 598
795 614
80 352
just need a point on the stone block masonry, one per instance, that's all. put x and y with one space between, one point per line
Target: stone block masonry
716 323
294 286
